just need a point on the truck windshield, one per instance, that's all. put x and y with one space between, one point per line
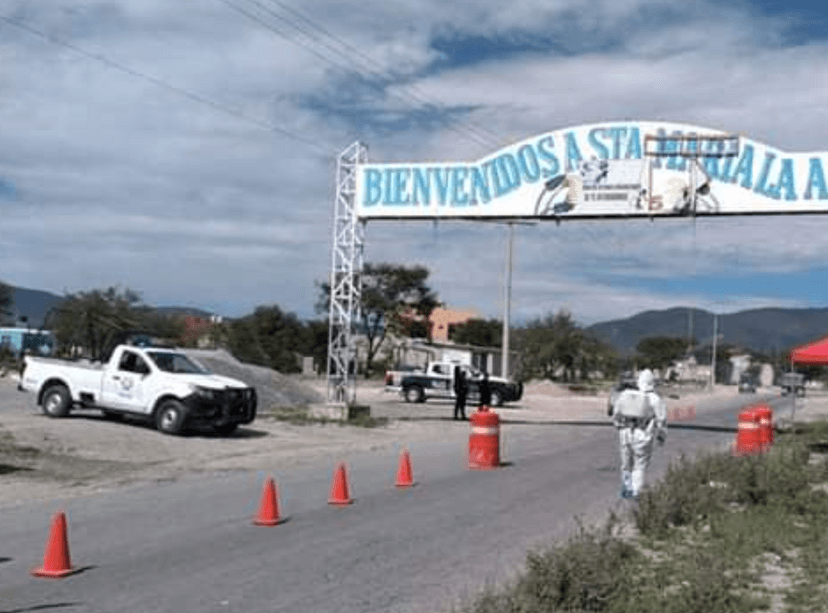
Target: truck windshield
175 363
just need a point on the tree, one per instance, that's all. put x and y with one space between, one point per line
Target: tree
556 343
269 337
390 294
660 351
479 332
316 343
89 320
6 301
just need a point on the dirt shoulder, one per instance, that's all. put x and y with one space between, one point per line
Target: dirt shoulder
44 458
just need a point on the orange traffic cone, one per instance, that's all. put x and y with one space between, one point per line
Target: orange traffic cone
56 562
404 478
269 507
339 488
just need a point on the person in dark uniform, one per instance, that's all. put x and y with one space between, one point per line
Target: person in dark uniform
485 391
460 390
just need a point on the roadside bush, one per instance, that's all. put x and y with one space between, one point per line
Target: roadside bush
692 491
776 476
586 574
683 497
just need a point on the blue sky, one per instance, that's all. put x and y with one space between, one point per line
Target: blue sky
186 149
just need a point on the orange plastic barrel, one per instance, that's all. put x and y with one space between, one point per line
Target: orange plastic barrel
747 435
765 419
484 440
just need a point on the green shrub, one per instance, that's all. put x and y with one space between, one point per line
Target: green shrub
683 497
585 574
692 491
777 476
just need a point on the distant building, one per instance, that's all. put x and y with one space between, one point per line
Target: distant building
739 364
766 375
416 352
197 330
441 321
688 370
39 342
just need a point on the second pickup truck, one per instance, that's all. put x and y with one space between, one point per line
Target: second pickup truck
437 381
158 384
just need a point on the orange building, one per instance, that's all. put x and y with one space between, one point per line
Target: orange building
442 319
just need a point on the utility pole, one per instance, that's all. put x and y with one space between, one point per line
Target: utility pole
713 364
690 331
507 300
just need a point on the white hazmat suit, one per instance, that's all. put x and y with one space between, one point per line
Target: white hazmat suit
641 417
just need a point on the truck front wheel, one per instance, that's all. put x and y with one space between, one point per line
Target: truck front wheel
497 398
170 417
414 394
56 401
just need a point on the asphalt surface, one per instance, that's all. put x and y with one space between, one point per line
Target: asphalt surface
189 546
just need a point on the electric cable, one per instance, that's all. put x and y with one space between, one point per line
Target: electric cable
483 141
371 62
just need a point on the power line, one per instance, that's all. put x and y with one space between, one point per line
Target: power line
484 140
164 85
284 34
371 62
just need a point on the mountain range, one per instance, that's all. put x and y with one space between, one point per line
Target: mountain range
767 330
34 305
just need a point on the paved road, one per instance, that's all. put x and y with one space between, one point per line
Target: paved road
189 546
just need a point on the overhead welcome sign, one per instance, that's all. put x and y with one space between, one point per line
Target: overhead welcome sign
602 170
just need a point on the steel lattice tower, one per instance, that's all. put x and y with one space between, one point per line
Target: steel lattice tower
345 284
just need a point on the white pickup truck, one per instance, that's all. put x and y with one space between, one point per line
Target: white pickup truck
157 384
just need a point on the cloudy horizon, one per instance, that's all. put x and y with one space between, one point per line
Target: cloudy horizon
186 150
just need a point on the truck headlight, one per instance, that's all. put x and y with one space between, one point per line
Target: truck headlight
204 392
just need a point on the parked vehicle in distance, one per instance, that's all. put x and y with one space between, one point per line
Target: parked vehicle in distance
792 382
747 384
158 384
437 381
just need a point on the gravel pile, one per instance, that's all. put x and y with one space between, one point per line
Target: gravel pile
272 387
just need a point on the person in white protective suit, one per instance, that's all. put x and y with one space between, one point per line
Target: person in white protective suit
640 415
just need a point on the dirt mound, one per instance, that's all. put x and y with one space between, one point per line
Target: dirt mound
272 387
547 388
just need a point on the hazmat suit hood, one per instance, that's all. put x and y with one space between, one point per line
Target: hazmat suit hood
646 380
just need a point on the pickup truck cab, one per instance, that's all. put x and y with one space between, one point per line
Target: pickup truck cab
158 384
438 382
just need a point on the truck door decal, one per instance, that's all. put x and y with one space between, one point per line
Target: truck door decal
126 387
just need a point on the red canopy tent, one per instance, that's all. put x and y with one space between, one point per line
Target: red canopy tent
812 353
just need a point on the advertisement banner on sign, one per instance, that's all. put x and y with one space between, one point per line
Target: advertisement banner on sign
602 170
